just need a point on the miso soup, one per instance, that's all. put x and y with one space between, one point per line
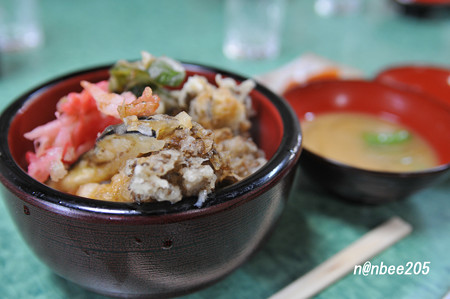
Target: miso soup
368 142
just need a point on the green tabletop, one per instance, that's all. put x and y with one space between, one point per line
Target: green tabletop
315 225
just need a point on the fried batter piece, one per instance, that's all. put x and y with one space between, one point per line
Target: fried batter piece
161 158
226 105
240 154
152 159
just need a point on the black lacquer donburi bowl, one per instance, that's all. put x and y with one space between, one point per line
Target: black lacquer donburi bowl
148 250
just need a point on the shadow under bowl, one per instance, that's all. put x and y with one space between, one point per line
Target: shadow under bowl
154 249
426 117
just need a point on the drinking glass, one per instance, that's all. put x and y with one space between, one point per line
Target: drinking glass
253 28
19 25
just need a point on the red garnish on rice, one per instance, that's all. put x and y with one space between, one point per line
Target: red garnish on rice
74 131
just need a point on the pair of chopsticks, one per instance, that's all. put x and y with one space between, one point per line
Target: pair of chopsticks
344 261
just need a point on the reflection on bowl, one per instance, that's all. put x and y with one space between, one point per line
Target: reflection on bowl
424 8
431 80
427 118
154 249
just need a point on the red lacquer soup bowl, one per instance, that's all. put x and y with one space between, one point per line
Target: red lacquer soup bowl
431 80
413 110
147 250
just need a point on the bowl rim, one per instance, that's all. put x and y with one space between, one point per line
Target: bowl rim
414 65
403 89
283 160
406 174
393 174
388 76
423 4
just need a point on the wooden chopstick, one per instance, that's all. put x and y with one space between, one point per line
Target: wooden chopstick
345 261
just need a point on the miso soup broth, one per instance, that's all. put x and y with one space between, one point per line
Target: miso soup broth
368 142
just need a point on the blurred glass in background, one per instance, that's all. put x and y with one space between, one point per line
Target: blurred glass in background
337 7
20 27
253 28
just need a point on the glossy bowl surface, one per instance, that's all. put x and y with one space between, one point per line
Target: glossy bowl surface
425 2
148 250
428 118
430 80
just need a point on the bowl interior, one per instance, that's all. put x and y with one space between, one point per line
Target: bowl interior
431 80
427 118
